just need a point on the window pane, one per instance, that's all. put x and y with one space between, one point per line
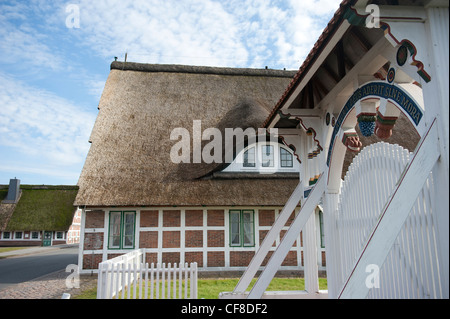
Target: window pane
35 235
6 235
235 228
267 156
248 228
249 157
114 229
286 158
128 230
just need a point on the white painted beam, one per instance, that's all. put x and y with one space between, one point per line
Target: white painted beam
289 238
268 241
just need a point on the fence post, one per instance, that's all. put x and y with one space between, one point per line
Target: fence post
195 281
100 281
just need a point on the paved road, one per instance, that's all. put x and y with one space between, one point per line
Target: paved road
18 269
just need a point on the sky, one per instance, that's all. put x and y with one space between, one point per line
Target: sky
55 58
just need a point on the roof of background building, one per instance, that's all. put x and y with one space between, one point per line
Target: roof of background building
40 207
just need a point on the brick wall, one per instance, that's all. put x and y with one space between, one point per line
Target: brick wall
216 217
190 257
241 258
91 261
95 219
148 239
171 218
216 259
171 239
266 217
149 218
194 238
194 218
216 238
93 241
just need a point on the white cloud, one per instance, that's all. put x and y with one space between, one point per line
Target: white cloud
199 32
221 33
232 33
42 126
22 44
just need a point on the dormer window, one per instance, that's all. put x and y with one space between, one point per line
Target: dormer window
267 156
285 158
249 157
264 158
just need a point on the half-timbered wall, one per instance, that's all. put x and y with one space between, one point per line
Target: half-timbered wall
180 235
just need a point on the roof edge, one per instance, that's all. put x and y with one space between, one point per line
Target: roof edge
44 187
175 68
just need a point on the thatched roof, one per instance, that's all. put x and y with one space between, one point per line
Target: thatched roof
39 208
129 162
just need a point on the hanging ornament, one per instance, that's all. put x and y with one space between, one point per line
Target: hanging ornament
366 123
366 116
387 115
351 140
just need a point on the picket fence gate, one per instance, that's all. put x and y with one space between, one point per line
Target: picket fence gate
411 269
127 277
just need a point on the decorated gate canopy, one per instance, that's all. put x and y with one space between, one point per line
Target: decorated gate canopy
394 96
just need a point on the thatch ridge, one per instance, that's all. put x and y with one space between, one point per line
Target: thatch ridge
177 68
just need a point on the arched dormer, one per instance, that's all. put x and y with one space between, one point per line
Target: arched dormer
264 158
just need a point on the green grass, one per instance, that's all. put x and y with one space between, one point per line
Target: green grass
210 288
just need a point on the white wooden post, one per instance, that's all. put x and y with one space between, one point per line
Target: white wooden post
310 256
332 248
437 101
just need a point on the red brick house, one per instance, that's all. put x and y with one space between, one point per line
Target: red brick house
134 195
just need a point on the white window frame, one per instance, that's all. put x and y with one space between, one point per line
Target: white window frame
238 165
243 231
289 154
122 230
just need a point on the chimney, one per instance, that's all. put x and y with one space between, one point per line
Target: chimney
13 192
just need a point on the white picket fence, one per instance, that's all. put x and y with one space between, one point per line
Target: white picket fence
128 277
411 270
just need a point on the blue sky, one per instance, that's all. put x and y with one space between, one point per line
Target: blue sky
52 72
